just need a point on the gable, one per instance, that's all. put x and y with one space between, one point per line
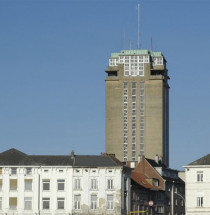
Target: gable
150 172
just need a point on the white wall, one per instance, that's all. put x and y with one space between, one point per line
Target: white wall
69 174
194 189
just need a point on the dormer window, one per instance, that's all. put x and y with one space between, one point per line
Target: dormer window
156 182
13 170
28 171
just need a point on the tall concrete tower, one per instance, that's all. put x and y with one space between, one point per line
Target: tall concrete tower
137 105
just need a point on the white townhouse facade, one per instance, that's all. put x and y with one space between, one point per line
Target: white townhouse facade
62 185
197 186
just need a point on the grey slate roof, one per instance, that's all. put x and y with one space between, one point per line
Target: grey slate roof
95 161
52 160
153 163
13 157
202 161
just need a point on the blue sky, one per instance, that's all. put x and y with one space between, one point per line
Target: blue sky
53 54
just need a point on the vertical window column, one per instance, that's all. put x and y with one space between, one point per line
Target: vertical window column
133 121
142 103
125 121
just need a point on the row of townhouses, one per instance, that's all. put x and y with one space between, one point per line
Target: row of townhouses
55 185
87 184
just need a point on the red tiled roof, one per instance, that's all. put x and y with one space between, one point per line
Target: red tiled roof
140 179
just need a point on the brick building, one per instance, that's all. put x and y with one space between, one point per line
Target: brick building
153 181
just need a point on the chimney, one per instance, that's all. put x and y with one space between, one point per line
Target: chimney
139 158
157 159
160 160
72 154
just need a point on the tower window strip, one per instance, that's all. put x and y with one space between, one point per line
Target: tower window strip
133 128
142 104
125 121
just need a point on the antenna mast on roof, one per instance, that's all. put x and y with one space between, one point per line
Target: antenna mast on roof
151 45
130 44
139 26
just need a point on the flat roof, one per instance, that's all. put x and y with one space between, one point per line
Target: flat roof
136 52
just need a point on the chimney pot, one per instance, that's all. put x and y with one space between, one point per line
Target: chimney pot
72 154
157 159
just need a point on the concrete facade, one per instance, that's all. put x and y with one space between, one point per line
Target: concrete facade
137 105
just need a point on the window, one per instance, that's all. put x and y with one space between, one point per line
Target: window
93 200
156 182
28 203
13 170
160 209
13 203
46 170
45 203
93 184
110 205
77 201
0 184
199 201
182 202
77 184
200 176
133 154
60 203
0 203
168 188
110 184
61 184
157 61
13 184
176 202
0 170
28 171
28 184
46 184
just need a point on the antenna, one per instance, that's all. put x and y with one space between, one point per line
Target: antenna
151 45
138 26
123 40
130 44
